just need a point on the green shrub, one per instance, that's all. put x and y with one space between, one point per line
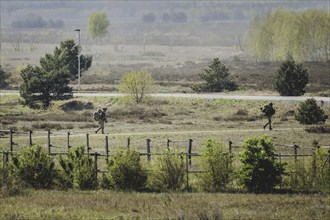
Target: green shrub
138 84
310 113
9 185
291 78
217 165
34 167
78 170
3 79
217 79
260 171
168 172
126 172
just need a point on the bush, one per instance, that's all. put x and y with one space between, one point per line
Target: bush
310 113
137 84
217 79
168 172
3 79
291 79
34 167
260 171
78 170
217 165
126 172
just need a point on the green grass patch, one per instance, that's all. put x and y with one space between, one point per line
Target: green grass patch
108 204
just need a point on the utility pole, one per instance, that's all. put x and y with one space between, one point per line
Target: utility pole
79 51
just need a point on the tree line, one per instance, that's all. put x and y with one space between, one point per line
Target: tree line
36 21
304 35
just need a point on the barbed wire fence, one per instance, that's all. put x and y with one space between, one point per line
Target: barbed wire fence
103 146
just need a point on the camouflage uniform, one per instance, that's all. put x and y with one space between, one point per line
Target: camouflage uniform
269 111
100 117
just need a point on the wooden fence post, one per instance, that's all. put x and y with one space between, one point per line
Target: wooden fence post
48 144
68 140
95 166
168 143
148 150
87 144
189 150
230 146
30 138
280 159
187 172
11 143
295 150
107 146
128 142
329 160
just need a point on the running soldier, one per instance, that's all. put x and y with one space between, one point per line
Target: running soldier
100 116
268 111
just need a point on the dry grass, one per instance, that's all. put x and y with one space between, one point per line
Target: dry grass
158 119
121 205
174 71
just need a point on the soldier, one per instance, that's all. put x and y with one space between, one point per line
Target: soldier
100 116
269 111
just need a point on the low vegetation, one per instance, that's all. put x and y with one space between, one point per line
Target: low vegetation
127 205
125 172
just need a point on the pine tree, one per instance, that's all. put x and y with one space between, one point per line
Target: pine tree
217 79
291 78
310 113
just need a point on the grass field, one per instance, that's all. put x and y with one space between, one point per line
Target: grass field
130 205
160 119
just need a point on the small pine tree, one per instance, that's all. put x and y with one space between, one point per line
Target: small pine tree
291 78
217 79
78 170
310 113
260 171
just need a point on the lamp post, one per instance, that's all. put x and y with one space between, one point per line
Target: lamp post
79 50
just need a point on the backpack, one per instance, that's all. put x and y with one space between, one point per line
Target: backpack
269 111
96 116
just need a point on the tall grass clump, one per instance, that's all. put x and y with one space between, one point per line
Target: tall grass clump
78 170
125 171
168 172
34 167
217 164
309 174
261 171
